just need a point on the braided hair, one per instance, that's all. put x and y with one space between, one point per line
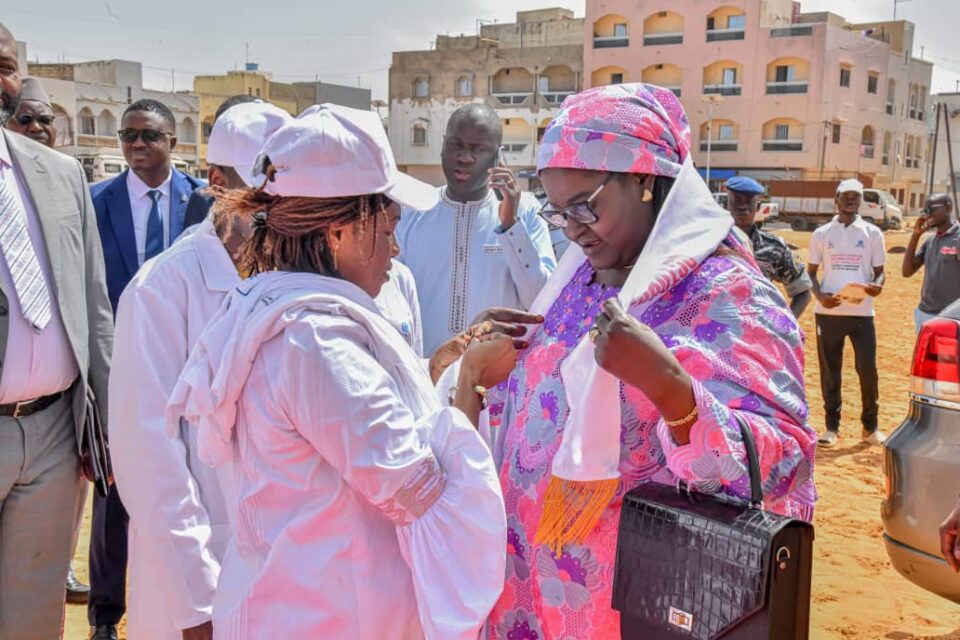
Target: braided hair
290 232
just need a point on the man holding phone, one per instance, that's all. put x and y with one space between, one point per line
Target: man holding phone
483 245
938 255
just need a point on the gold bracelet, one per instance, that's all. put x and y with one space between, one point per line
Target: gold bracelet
477 389
690 417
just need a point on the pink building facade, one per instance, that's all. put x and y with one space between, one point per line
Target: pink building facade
775 93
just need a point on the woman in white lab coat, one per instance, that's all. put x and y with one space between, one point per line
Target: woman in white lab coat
366 510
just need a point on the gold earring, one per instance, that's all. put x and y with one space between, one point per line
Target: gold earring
647 196
335 251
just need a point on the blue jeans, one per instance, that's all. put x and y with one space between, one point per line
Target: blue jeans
919 317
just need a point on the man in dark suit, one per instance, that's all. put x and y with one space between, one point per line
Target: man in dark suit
56 333
140 213
202 201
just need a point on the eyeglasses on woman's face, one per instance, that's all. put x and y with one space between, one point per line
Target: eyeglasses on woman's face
582 212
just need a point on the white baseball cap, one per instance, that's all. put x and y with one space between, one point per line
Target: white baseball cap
850 185
239 133
330 151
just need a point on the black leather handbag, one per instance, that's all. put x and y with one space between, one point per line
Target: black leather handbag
695 566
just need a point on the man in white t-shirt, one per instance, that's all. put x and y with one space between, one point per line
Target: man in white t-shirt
852 252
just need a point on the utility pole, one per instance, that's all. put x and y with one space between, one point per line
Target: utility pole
933 158
953 175
823 149
711 99
895 3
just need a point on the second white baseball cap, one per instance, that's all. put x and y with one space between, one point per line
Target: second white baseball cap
240 132
850 185
330 151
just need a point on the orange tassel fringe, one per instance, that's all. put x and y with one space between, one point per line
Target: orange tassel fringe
572 509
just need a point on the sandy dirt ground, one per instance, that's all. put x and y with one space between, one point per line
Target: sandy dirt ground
856 593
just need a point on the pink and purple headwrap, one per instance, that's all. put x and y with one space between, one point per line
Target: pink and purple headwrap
626 128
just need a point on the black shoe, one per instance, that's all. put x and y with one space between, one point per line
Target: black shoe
104 632
77 592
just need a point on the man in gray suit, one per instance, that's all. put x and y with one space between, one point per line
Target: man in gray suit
56 329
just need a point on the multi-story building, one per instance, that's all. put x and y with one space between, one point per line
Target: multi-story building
941 169
294 98
524 70
88 101
773 92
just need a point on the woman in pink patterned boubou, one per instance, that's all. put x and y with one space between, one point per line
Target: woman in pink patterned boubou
659 327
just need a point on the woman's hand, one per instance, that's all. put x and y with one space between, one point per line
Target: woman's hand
510 322
632 352
949 542
489 360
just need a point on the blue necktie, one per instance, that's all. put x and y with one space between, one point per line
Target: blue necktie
154 243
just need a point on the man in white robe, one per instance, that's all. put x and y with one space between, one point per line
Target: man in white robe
474 251
178 516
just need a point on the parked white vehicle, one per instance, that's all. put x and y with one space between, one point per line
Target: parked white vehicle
100 167
881 208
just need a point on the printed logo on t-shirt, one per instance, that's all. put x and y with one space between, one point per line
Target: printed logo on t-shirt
860 244
845 262
948 251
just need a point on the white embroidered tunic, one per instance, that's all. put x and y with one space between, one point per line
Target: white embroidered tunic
464 262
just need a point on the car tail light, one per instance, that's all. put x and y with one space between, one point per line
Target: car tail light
936 366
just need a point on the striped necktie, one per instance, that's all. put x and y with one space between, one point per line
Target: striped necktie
28 282
154 241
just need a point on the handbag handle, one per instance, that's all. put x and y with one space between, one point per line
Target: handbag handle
753 463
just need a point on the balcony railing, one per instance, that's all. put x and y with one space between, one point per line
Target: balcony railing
515 147
88 140
555 97
673 87
609 42
717 35
655 39
719 145
508 99
792 86
793 30
866 151
723 89
783 145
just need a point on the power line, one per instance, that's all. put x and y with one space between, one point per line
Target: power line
181 28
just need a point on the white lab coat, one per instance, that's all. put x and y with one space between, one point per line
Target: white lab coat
178 518
179 525
366 511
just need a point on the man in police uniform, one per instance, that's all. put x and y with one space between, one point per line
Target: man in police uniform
777 262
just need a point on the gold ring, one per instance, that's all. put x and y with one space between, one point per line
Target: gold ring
594 333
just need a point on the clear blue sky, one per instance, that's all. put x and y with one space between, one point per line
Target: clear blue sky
342 41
